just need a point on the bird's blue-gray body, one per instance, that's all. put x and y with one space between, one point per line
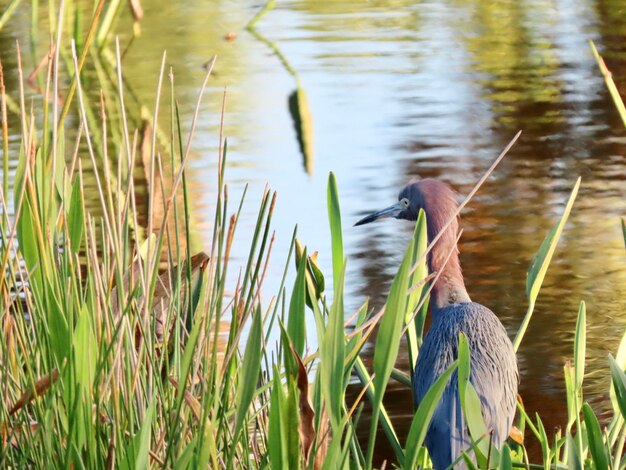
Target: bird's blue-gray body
493 374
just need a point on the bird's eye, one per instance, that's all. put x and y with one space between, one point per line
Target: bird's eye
405 202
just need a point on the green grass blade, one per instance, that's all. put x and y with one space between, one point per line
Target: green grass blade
570 390
260 14
594 437
250 369
276 444
619 384
334 218
468 462
539 265
505 458
415 328
137 452
610 84
296 322
423 415
470 404
76 217
332 358
8 11
59 328
388 341
580 341
27 236
291 423
573 458
542 436
145 434
385 420
85 350
620 360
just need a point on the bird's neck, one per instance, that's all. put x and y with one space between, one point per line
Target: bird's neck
449 288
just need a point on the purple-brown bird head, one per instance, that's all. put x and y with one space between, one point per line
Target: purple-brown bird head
435 197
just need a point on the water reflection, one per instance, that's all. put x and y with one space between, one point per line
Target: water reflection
403 89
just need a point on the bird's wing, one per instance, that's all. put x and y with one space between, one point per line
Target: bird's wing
447 436
496 387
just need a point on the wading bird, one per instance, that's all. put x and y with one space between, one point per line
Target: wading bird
494 372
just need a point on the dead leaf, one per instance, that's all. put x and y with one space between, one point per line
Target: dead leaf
322 446
135 6
516 435
110 462
191 401
41 387
163 287
14 433
307 414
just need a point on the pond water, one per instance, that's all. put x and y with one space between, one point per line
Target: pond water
399 90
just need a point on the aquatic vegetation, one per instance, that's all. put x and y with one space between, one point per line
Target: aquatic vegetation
123 348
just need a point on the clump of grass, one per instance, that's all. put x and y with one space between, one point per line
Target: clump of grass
120 347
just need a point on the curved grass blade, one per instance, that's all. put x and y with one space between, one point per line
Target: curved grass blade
573 457
540 263
505 458
580 341
619 384
332 358
415 329
388 342
296 325
76 217
385 420
423 415
594 437
610 84
470 404
334 218
250 369
276 445
138 449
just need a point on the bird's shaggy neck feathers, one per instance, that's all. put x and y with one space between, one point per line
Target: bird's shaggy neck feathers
439 203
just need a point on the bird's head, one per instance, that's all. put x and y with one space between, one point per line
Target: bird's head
431 195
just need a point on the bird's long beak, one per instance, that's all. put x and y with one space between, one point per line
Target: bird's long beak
391 211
